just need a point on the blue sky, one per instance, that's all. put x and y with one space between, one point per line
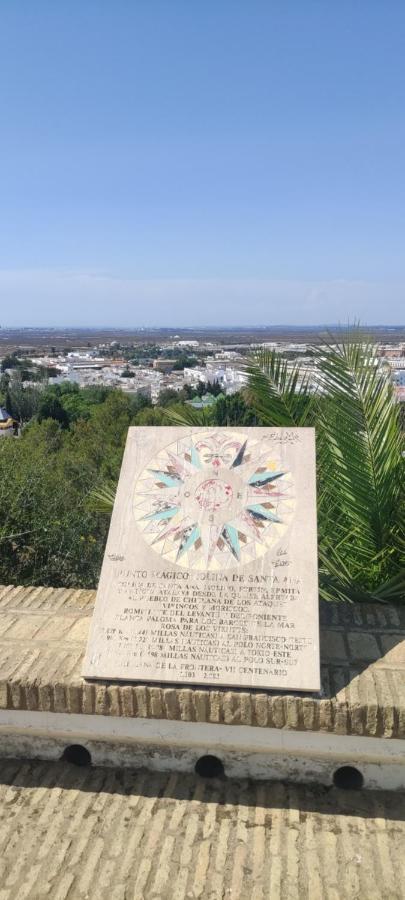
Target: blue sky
198 163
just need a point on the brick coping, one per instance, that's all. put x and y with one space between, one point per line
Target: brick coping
43 633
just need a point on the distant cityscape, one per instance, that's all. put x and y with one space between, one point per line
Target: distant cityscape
198 363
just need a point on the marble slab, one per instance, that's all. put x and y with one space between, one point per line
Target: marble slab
210 570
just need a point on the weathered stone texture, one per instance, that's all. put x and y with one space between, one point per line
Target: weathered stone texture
97 834
42 639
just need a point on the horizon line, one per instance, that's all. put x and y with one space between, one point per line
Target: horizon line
197 327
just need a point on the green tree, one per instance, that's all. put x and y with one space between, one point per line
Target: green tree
10 362
153 416
22 402
201 388
49 536
215 388
184 362
168 397
50 407
186 392
4 383
50 533
233 410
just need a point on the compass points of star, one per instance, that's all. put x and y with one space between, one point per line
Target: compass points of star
214 500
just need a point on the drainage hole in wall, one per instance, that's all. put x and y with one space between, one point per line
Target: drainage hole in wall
349 778
77 755
209 767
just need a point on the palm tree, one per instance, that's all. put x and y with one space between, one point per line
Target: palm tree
360 465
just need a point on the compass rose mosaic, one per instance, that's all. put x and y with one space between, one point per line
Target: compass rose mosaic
214 500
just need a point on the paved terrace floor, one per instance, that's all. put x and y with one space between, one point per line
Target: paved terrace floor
98 834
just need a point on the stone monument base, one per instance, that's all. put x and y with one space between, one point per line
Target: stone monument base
351 733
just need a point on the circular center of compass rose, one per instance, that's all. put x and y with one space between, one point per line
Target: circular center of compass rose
213 494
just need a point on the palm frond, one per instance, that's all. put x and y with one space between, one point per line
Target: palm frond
361 430
279 393
188 416
102 499
361 466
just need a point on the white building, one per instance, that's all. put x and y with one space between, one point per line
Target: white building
230 377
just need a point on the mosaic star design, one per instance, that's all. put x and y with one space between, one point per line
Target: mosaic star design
214 500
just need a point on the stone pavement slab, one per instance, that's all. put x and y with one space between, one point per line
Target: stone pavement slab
69 833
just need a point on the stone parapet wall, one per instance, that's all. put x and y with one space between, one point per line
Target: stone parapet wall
43 633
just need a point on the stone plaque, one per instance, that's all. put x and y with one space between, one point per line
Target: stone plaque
210 570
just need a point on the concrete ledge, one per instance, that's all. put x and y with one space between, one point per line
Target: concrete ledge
43 633
160 745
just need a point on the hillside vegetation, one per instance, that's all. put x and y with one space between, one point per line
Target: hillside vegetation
57 480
